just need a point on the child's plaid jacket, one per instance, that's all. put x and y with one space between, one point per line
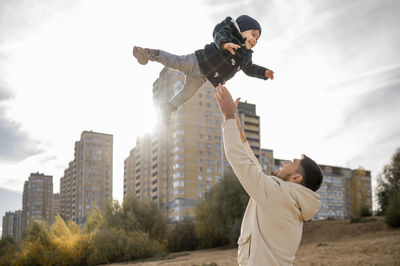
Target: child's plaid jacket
219 65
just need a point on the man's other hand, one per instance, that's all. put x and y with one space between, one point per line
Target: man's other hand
226 103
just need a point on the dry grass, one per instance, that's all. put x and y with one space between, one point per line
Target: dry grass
324 243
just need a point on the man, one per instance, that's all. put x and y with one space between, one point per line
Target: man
273 222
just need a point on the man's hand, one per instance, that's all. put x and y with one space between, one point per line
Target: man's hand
230 46
226 103
269 74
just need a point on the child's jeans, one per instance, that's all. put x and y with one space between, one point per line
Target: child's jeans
189 66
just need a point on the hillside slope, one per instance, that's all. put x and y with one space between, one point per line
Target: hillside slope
345 243
323 243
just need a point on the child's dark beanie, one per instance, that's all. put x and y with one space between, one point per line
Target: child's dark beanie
248 23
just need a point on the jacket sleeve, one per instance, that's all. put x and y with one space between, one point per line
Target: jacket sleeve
255 71
250 152
222 32
258 185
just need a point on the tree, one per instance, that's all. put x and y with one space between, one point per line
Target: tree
8 249
392 215
144 216
219 216
126 232
182 236
360 197
389 182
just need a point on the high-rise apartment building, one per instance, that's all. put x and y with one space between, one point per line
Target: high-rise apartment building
186 153
87 181
332 192
267 161
138 171
250 126
56 205
37 199
12 225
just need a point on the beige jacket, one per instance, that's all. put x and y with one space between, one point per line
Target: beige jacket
273 222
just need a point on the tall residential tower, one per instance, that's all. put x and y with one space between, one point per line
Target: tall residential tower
37 199
87 182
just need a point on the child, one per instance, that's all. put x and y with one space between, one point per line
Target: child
217 62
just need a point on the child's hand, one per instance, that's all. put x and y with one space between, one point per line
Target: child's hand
269 74
230 46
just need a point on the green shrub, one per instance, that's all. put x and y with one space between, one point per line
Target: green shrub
117 245
392 215
61 244
182 236
8 249
364 211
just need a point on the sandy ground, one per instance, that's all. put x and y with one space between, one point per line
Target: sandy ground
323 243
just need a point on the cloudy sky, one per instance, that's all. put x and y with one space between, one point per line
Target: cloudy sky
66 67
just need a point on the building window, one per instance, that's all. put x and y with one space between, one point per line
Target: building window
178 183
178 175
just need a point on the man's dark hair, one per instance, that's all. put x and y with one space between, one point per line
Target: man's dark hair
312 174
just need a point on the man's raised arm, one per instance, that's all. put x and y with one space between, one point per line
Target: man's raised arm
245 166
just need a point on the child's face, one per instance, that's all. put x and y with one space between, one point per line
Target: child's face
251 37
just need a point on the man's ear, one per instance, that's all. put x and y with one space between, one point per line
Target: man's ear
296 178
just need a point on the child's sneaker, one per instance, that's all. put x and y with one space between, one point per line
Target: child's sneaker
143 55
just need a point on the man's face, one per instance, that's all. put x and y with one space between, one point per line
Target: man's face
289 170
251 37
